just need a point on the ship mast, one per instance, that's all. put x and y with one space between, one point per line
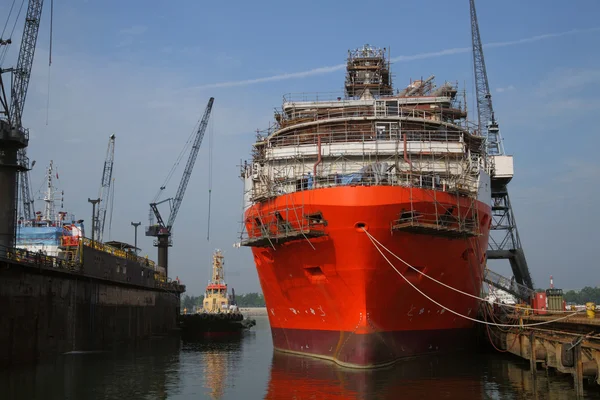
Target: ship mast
218 277
49 199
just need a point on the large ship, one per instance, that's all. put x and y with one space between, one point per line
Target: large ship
336 179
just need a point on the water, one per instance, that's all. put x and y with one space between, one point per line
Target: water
247 368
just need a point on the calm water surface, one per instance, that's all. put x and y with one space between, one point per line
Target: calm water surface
247 368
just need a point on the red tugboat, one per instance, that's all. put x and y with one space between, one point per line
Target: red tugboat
405 166
219 314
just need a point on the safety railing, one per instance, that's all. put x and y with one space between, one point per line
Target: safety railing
366 136
37 259
379 175
294 116
280 226
118 252
169 285
445 222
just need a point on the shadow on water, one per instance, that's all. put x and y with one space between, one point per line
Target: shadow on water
456 376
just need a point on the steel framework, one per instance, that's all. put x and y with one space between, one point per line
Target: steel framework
504 242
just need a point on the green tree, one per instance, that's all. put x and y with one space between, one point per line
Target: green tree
250 300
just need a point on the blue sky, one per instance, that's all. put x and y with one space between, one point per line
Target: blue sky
145 70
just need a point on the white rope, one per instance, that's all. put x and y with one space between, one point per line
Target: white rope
450 287
454 312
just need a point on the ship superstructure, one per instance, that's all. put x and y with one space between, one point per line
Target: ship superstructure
216 299
44 234
406 167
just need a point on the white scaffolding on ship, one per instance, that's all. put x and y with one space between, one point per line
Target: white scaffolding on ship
416 138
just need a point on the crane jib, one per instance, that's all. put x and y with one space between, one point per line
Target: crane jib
178 198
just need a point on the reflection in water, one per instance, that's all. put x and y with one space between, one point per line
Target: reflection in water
423 377
101 375
455 376
245 367
216 357
513 376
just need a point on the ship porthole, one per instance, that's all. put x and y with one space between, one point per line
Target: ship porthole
359 226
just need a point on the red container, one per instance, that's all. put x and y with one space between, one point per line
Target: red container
539 303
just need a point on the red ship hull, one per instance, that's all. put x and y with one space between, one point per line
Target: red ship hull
341 300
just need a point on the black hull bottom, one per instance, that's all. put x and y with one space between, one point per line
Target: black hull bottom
203 325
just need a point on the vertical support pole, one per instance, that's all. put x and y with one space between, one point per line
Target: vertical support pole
94 219
578 375
135 226
532 355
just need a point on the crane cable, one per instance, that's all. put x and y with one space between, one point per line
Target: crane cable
49 60
452 311
179 158
8 18
5 49
444 284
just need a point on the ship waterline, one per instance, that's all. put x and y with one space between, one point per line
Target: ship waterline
336 297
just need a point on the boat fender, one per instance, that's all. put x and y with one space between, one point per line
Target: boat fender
128 279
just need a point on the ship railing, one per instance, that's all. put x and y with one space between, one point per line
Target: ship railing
313 97
443 222
169 285
384 135
282 225
294 109
118 252
465 185
37 259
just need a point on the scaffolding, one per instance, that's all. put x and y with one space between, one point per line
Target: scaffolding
417 139
368 73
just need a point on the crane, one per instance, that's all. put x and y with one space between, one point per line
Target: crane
14 139
104 194
504 242
160 230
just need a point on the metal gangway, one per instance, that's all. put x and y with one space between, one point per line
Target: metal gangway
518 290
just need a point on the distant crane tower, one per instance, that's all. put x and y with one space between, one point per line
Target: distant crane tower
159 230
504 240
13 137
107 172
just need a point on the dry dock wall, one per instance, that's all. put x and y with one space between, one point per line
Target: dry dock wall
45 313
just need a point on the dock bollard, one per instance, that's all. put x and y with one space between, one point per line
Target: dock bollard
590 310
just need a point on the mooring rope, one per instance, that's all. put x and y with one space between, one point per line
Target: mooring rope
450 310
450 287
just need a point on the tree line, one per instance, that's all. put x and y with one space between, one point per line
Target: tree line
583 296
242 300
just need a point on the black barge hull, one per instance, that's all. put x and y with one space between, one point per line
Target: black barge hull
51 308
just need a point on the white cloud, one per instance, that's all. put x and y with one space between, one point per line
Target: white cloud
421 56
509 88
565 81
